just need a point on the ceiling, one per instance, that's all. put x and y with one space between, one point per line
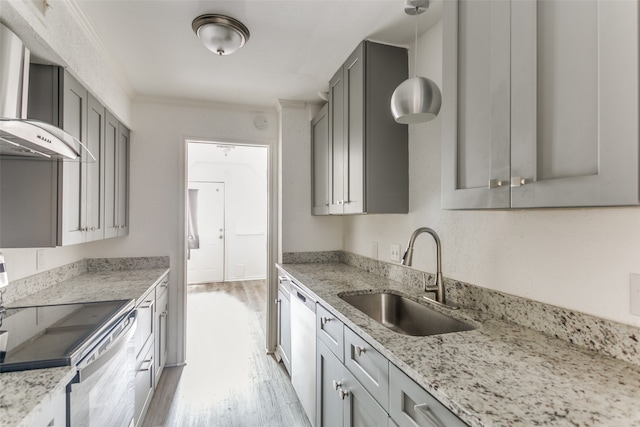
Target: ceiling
294 49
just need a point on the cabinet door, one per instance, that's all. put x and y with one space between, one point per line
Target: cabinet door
144 383
122 198
284 329
362 410
320 162
160 338
336 142
94 171
331 374
354 130
475 113
575 103
74 121
110 176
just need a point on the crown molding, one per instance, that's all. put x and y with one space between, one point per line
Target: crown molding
98 44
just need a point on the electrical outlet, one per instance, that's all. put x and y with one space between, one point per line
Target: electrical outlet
40 259
635 294
374 250
395 253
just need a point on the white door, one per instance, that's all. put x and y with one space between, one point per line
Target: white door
206 232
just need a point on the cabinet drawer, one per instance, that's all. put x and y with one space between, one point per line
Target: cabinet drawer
162 287
145 321
369 366
410 405
330 331
144 382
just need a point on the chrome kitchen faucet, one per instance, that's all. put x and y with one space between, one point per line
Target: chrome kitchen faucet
407 258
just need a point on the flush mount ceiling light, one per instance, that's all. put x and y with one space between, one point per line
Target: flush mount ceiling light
220 34
417 99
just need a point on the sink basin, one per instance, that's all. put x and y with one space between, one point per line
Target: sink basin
405 316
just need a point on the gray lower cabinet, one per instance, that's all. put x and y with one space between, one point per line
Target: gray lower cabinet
368 150
410 405
161 314
369 366
330 331
540 104
150 345
342 400
320 169
284 325
144 382
358 386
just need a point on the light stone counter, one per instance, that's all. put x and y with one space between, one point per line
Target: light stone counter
97 286
500 374
24 394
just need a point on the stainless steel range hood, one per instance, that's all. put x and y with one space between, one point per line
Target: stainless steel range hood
19 136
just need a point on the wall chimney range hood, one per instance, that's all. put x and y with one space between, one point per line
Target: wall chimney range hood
19 136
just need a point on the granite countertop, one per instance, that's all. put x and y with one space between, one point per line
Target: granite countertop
499 374
23 395
97 286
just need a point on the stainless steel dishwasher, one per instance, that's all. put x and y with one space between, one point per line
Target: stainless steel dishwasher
303 349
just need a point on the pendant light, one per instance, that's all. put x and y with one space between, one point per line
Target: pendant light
220 34
417 99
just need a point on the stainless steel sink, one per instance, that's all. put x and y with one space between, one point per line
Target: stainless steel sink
405 316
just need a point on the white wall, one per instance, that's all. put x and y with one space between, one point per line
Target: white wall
574 258
301 231
158 180
244 174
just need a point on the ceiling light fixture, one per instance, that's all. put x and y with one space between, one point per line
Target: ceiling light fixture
417 99
220 34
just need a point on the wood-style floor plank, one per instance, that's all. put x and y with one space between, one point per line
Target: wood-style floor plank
229 380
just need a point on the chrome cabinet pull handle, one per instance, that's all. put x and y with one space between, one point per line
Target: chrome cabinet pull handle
336 384
496 183
324 320
427 414
360 350
343 393
517 181
149 363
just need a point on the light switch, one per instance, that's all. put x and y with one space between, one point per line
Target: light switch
635 294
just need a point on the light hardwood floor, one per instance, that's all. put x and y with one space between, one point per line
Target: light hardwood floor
229 380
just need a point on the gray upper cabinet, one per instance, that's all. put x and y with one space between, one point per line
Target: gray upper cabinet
59 203
93 172
540 104
368 150
61 195
74 102
320 162
116 167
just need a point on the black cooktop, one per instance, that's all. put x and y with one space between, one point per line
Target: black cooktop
56 335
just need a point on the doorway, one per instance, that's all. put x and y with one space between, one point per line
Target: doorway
226 212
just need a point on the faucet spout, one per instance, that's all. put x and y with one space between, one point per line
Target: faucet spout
408 258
